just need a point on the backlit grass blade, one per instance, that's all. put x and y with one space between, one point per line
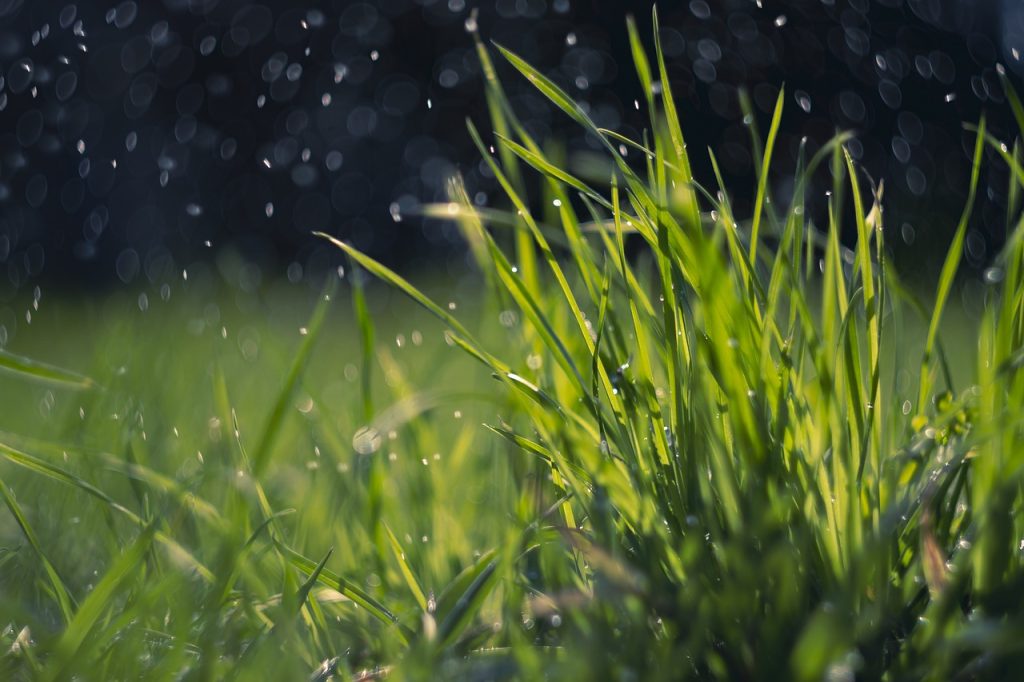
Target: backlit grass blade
541 164
547 87
762 183
640 62
391 277
40 371
949 269
672 121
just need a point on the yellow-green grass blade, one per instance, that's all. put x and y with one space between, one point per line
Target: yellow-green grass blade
762 183
34 370
403 564
949 269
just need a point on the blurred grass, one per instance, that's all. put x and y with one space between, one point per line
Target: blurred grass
153 438
715 448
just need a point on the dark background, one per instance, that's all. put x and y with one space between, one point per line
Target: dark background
137 139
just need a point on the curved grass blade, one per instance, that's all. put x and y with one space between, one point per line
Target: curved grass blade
336 582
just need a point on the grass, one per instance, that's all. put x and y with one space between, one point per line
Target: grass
712 448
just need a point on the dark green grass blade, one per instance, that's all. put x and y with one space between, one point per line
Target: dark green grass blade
56 473
462 598
64 600
68 649
274 422
366 338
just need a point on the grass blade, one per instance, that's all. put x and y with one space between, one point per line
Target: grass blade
42 372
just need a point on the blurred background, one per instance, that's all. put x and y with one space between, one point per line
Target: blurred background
142 139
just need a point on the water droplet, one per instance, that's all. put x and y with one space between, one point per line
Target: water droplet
67 15
700 9
781 20
125 14
803 100
916 180
269 209
66 85
994 275
890 94
570 39
900 149
127 265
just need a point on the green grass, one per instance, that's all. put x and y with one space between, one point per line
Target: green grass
744 452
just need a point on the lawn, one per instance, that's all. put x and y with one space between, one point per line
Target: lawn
644 439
